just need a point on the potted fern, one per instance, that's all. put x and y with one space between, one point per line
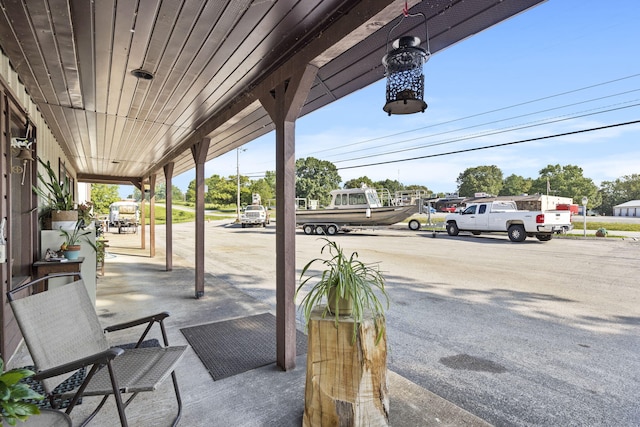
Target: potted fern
16 397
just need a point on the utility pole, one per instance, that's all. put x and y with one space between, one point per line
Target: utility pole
238 180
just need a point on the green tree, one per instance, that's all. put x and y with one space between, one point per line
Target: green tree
176 193
161 191
514 185
190 194
487 179
102 195
567 181
392 185
357 182
315 179
619 191
270 179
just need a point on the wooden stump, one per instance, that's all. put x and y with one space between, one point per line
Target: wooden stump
346 382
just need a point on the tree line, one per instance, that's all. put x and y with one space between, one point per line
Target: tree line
316 178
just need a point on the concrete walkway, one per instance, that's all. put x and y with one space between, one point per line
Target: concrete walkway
135 285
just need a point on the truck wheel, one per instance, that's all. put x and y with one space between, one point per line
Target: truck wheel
331 230
308 229
320 230
517 233
244 225
452 229
544 237
414 225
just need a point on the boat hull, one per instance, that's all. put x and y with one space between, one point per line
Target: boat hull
356 217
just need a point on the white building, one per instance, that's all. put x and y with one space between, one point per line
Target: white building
630 208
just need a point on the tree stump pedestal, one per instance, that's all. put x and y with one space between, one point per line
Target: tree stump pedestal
346 382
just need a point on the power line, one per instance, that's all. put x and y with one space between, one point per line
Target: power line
494 145
488 133
492 132
486 112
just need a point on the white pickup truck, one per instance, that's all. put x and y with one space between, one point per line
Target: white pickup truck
501 216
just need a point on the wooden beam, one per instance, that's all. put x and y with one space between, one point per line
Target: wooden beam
283 104
168 176
199 153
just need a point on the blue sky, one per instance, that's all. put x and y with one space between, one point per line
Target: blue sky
563 66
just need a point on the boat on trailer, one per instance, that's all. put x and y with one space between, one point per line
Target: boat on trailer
354 207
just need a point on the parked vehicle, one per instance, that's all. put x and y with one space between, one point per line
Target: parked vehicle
125 215
254 215
504 216
355 207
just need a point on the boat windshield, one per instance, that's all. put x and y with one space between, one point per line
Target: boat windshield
373 199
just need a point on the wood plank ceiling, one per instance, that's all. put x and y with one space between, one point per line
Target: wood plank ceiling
210 60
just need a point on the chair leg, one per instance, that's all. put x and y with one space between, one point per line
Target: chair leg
178 398
117 396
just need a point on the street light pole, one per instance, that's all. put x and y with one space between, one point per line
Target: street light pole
238 181
585 200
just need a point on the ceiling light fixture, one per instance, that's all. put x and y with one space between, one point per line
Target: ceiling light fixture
142 74
403 69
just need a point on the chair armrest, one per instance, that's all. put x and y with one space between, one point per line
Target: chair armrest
141 321
102 357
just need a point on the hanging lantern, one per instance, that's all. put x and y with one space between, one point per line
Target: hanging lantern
403 69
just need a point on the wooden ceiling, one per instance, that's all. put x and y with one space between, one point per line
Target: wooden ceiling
211 61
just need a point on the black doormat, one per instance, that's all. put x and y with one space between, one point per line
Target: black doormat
234 346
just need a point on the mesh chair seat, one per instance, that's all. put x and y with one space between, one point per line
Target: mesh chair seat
137 370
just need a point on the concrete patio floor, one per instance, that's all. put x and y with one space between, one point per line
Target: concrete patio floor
135 285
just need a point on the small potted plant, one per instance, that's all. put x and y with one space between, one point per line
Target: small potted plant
16 397
71 246
349 286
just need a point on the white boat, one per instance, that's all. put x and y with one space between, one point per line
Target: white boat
354 207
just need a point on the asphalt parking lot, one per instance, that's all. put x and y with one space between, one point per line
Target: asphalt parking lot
518 334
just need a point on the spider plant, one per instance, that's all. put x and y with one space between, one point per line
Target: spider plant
344 280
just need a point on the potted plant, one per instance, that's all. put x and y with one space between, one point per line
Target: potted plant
58 196
349 286
346 380
15 397
71 246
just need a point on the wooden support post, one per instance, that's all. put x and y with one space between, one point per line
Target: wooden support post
168 176
346 382
283 104
199 152
152 216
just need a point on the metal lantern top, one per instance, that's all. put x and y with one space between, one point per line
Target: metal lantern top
405 56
